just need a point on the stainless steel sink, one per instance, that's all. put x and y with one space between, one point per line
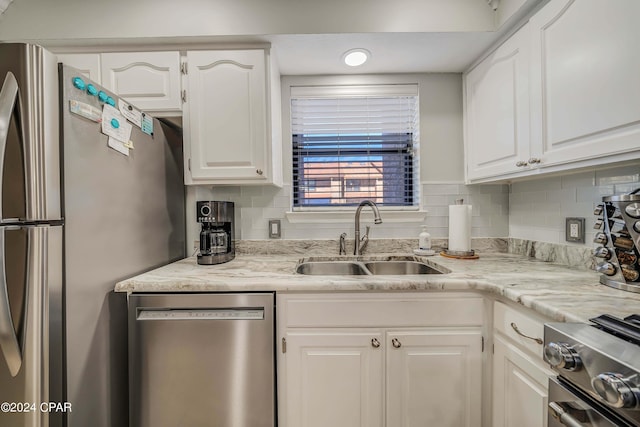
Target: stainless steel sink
399 267
331 268
365 267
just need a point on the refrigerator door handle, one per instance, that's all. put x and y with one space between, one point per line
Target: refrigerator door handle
8 96
8 339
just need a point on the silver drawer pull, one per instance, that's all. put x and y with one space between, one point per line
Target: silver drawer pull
396 343
515 328
375 343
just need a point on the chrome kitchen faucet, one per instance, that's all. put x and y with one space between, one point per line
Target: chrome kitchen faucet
360 244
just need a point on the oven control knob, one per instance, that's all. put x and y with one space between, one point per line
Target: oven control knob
614 391
633 210
562 355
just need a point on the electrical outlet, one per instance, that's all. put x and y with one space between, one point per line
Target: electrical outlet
275 229
574 230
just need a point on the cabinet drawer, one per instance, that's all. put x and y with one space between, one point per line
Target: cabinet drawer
515 325
380 310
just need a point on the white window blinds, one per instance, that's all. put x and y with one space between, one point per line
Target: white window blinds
351 144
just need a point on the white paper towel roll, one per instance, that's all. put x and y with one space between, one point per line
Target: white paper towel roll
460 228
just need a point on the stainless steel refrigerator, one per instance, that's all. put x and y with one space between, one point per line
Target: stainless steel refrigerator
76 217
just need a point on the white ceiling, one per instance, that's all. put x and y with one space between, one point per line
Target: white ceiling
419 51
308 54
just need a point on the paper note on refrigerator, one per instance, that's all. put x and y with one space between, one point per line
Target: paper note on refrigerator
115 125
85 110
119 146
147 124
130 112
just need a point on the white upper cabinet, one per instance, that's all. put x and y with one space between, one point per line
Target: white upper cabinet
585 74
562 93
149 80
227 118
87 63
497 110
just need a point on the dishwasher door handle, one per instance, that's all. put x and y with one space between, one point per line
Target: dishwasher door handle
153 314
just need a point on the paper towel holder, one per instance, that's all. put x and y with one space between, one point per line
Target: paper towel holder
470 254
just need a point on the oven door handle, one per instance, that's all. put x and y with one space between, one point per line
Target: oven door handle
558 412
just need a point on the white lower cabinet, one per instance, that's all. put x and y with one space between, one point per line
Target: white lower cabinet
334 378
375 360
520 376
433 378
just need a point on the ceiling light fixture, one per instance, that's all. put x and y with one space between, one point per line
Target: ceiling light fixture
356 57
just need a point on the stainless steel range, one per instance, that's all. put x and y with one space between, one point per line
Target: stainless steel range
598 368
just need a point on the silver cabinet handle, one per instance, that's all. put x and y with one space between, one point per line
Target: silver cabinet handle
259 171
396 343
521 163
534 160
8 339
562 416
515 328
8 98
375 343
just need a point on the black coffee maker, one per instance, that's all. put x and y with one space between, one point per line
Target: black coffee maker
217 234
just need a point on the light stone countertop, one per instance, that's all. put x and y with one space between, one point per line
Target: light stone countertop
558 292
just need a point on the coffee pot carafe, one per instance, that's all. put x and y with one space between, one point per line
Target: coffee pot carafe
217 232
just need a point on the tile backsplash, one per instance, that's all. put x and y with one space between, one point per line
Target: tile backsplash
255 205
538 208
532 210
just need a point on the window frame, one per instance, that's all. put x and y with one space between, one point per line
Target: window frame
352 91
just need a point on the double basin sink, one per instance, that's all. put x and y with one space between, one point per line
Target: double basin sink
366 267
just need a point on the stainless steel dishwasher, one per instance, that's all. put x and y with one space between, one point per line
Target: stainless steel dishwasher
202 360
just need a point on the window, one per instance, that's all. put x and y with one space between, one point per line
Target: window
355 143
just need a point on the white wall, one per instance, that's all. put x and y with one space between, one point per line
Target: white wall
538 208
442 173
441 155
73 19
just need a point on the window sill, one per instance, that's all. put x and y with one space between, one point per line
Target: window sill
342 217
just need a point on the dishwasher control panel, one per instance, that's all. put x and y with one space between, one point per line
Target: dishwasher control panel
201 314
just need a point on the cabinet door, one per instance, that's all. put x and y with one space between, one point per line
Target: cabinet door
497 110
333 378
226 117
87 63
434 378
585 85
520 387
149 80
